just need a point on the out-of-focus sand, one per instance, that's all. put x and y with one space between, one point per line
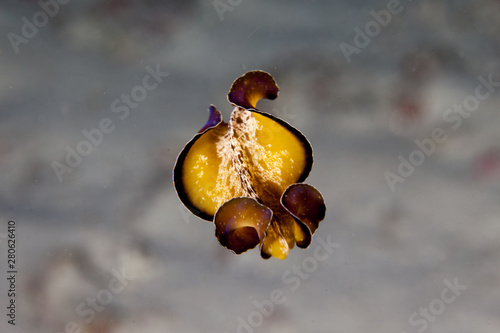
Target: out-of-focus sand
117 210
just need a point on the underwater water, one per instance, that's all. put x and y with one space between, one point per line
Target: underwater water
398 99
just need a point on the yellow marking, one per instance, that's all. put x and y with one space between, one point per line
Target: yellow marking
252 156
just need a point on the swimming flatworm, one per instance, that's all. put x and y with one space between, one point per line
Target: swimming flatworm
247 175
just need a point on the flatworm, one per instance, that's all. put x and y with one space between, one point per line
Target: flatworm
247 175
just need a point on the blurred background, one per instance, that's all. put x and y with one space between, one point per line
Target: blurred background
86 154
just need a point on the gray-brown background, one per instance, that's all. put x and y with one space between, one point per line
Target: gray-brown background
396 251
